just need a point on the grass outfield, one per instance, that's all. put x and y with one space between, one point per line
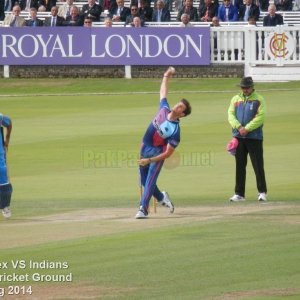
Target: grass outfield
72 162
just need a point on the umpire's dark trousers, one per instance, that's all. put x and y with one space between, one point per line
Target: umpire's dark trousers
255 150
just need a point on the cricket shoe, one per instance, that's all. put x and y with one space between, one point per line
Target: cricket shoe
166 201
262 197
6 212
141 214
237 198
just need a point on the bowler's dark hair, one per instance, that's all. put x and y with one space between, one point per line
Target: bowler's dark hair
188 109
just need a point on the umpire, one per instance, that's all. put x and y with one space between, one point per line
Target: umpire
5 186
246 116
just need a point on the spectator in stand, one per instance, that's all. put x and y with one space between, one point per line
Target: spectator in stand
145 10
252 21
34 21
262 4
134 12
227 12
46 5
108 22
283 5
14 19
272 19
208 11
185 21
189 9
138 3
27 4
65 9
75 19
237 3
215 22
215 2
120 12
169 4
54 20
137 22
178 4
92 10
5 5
88 22
249 9
161 13
296 6
108 4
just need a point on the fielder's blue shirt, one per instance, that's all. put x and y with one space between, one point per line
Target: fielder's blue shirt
4 122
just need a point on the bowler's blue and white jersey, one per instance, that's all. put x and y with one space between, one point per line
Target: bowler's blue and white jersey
161 131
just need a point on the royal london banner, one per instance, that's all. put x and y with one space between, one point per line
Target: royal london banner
104 46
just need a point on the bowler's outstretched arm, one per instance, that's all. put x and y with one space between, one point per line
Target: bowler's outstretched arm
164 87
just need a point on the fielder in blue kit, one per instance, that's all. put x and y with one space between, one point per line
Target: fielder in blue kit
5 185
160 141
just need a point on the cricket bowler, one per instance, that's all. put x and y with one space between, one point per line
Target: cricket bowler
159 142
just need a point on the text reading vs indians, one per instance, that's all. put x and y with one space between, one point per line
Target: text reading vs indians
31 264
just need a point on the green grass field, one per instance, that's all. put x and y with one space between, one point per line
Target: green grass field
72 163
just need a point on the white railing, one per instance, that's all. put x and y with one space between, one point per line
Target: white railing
252 45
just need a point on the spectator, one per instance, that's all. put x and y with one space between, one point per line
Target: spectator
238 3
178 5
108 4
227 12
138 3
75 19
160 13
27 4
262 4
189 9
88 22
249 9
145 10
207 11
215 22
108 22
65 10
137 22
46 5
54 20
252 21
169 4
283 5
296 6
34 21
5 6
14 19
92 10
134 13
120 12
272 19
214 2
185 21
